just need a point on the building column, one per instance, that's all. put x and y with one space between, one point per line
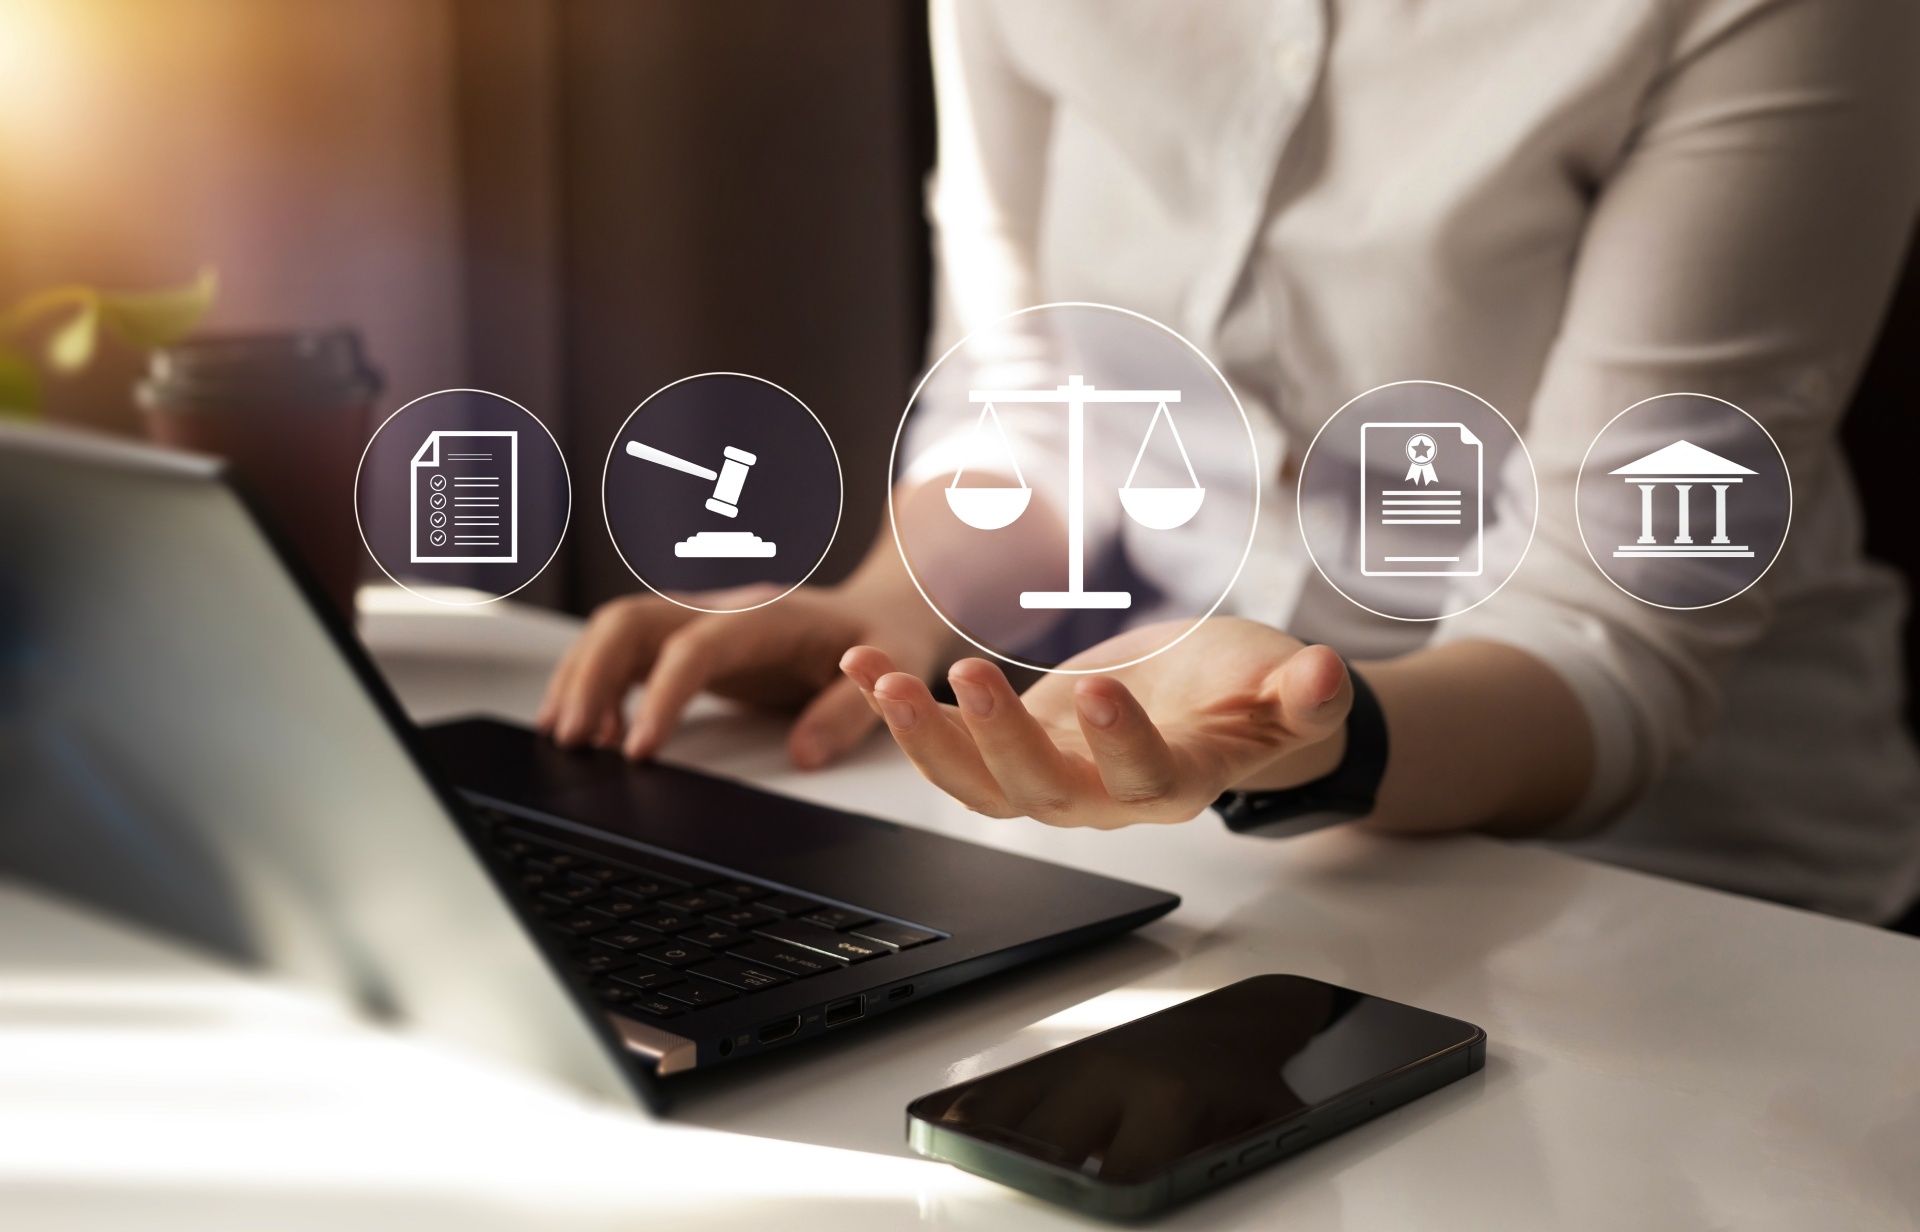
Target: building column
1720 513
1646 513
1683 489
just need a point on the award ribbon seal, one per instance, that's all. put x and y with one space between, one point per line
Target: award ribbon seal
1422 469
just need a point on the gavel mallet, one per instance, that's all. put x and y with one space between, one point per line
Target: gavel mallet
732 475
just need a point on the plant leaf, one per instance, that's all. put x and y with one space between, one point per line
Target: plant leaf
19 385
72 345
40 303
148 319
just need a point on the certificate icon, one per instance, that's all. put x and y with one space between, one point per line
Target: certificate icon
1422 500
464 499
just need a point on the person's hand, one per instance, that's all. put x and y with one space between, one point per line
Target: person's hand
1236 704
781 656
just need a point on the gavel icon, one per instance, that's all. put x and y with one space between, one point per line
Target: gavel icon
731 477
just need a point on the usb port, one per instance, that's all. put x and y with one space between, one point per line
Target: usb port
775 1031
846 1011
901 993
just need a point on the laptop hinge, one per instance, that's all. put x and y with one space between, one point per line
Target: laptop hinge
669 1053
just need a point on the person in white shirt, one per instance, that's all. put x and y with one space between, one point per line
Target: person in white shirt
1564 206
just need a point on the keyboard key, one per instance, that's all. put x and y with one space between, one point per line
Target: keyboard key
616 994
595 960
698 902
743 891
666 921
794 960
839 919
685 874
647 978
515 848
577 923
677 954
743 916
813 937
555 861
619 910
646 887
698 993
537 881
573 894
744 976
627 938
713 936
789 904
653 1005
601 875
895 936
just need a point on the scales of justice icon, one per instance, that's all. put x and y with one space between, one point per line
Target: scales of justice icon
1154 508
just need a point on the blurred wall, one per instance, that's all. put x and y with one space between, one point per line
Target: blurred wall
304 147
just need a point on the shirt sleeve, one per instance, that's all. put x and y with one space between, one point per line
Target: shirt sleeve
1743 246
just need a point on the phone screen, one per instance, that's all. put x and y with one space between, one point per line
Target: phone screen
1126 1104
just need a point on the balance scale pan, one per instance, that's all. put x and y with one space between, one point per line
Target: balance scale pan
1162 508
988 508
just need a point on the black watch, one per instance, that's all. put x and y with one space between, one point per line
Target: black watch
1342 795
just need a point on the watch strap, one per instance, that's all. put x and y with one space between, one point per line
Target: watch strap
1346 792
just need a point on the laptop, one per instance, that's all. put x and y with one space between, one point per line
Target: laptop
192 739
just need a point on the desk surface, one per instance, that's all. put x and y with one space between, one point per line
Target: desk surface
1660 1056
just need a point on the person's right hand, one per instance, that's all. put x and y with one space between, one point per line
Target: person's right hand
784 656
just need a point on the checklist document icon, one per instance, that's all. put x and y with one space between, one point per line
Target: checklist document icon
465 500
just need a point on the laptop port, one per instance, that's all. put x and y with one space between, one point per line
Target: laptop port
846 1011
901 993
776 1031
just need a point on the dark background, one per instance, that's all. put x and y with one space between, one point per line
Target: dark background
651 190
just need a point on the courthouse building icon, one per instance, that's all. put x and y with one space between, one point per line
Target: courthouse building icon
1685 466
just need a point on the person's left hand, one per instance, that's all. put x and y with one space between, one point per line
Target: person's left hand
1235 704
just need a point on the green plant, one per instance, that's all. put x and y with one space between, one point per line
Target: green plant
72 317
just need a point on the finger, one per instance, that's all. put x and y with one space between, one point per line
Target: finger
618 644
1312 693
1033 774
939 745
689 658
1133 760
864 665
836 719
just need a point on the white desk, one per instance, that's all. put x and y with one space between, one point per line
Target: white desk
1661 1056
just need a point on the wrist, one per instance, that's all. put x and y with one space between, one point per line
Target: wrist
1345 793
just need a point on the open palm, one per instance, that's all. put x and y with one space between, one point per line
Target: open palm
1233 704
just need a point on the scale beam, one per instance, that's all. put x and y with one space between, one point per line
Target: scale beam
1069 394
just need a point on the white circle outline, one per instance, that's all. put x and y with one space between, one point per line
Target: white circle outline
1253 525
566 477
1300 492
839 473
1581 475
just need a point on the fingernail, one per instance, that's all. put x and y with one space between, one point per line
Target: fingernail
805 750
974 699
898 714
1097 710
639 739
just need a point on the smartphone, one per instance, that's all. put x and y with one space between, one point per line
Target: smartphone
1133 1120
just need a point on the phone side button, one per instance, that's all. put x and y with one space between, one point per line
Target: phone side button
1257 1152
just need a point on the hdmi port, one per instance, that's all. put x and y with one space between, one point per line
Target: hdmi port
846 1011
775 1031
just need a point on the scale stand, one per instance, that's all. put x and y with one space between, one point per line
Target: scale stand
1161 508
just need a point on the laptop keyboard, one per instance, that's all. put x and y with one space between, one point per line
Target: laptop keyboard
657 937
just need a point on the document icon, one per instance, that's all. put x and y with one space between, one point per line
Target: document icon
465 503
1422 500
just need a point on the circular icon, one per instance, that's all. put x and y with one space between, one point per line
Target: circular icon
465 491
1417 500
1684 501
719 481
1148 480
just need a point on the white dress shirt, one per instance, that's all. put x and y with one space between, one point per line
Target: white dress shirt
1565 206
